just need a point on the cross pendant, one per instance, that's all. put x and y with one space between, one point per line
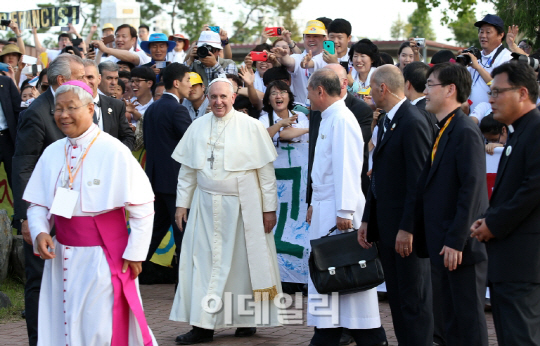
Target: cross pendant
211 160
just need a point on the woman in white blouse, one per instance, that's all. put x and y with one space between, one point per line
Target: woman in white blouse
280 121
365 58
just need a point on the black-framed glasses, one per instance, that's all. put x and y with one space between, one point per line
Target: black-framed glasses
137 81
44 87
429 86
495 92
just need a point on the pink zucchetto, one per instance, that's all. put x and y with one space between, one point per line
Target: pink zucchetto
80 84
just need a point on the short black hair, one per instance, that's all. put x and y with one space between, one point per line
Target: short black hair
75 50
519 75
416 74
442 56
235 78
40 78
276 73
282 86
124 74
157 86
4 42
64 34
457 74
386 59
489 125
144 26
261 47
145 72
12 39
172 72
127 63
365 46
123 86
25 84
242 102
326 21
132 30
340 26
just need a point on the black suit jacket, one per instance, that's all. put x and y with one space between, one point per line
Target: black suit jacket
165 122
453 193
36 130
364 116
514 212
398 161
11 104
431 118
115 123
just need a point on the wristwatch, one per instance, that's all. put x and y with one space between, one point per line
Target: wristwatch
293 45
19 35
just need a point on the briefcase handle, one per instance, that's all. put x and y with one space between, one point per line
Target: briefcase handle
333 229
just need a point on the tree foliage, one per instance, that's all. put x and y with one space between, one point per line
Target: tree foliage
419 26
465 33
193 14
524 13
398 29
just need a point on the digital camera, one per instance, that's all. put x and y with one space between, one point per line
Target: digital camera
204 51
466 60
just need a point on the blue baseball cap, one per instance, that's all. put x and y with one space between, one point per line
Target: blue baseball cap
491 19
145 45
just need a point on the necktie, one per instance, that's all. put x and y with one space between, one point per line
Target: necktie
386 123
96 121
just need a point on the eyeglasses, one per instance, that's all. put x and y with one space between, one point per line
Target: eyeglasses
44 87
429 86
69 110
281 93
137 81
498 140
495 92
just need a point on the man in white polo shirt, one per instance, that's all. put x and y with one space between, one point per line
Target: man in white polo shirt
126 40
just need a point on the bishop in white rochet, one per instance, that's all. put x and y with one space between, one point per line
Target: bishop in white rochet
82 186
227 180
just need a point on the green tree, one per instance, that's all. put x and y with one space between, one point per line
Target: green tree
419 26
193 15
465 33
397 30
524 13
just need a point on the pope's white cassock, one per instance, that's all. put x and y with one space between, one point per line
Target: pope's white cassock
227 180
337 191
77 300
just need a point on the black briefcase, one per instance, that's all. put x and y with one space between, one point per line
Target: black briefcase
339 264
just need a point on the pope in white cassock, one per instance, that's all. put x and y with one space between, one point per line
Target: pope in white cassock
81 185
228 271
338 200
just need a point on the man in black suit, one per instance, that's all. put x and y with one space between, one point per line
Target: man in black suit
415 75
453 193
36 130
10 107
165 122
510 226
403 146
364 116
109 114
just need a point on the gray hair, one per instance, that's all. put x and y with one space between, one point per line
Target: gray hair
107 66
327 79
61 66
391 76
83 95
221 79
90 62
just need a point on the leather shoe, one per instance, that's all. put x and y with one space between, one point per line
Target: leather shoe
346 338
195 336
242 332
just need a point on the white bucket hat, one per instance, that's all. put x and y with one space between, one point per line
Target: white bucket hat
210 38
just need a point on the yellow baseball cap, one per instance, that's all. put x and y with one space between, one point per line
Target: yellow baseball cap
315 27
107 26
194 78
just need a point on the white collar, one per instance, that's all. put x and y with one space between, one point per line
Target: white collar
414 102
100 92
328 111
344 97
394 109
96 99
510 129
86 137
173 95
490 54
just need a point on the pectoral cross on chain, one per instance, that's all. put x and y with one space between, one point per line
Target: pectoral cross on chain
211 160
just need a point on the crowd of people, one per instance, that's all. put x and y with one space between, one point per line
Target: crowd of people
396 150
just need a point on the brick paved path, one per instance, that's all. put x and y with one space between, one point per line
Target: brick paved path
158 299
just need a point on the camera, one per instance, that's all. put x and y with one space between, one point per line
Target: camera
465 60
532 62
5 22
203 51
420 42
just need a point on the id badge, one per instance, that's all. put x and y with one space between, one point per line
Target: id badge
64 202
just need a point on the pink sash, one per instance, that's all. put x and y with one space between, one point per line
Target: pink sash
110 232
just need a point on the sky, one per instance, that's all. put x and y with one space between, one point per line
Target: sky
371 19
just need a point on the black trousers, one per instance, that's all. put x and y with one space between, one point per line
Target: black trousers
516 313
408 284
463 296
165 208
438 313
7 149
34 271
363 337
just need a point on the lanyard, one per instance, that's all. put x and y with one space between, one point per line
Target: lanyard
79 164
439 138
